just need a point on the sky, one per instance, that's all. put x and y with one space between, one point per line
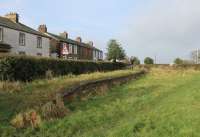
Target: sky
164 29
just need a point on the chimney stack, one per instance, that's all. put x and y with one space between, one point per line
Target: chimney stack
64 35
42 28
78 39
13 16
91 43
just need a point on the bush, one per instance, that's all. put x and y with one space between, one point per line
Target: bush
27 119
30 68
148 60
134 61
178 61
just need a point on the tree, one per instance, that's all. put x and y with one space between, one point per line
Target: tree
115 51
148 60
178 61
134 61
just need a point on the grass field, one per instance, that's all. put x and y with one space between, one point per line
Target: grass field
17 96
164 103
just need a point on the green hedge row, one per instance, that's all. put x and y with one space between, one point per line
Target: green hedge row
30 68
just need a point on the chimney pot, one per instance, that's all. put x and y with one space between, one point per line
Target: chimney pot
64 35
42 28
78 39
91 43
13 16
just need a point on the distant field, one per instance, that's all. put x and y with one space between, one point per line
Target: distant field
164 103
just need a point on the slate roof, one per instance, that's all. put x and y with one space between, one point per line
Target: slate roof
69 40
19 26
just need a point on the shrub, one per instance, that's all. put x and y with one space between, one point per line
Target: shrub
26 119
134 61
148 60
30 68
178 61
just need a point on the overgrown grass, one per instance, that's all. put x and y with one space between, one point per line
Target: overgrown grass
16 96
165 103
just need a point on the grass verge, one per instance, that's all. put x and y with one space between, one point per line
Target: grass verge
16 96
164 103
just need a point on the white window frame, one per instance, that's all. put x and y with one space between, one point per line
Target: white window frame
1 34
94 57
96 54
75 49
22 39
70 48
39 42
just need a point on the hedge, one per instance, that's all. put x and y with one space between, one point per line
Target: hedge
29 68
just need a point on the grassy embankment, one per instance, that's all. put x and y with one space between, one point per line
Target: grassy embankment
16 96
164 103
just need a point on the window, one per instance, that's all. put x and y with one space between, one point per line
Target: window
70 49
1 34
75 49
22 53
39 42
21 39
101 55
93 54
96 54
39 54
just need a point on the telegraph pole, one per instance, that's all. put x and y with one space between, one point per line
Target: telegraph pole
197 56
155 58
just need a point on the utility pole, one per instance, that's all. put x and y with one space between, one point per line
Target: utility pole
155 58
197 58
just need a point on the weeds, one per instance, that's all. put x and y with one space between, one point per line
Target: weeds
26 119
54 109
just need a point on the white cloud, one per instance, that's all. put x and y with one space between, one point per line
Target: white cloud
167 29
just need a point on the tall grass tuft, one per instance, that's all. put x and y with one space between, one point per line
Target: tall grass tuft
26 119
10 86
49 74
54 109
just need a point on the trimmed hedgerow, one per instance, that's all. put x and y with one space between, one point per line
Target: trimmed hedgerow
29 68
